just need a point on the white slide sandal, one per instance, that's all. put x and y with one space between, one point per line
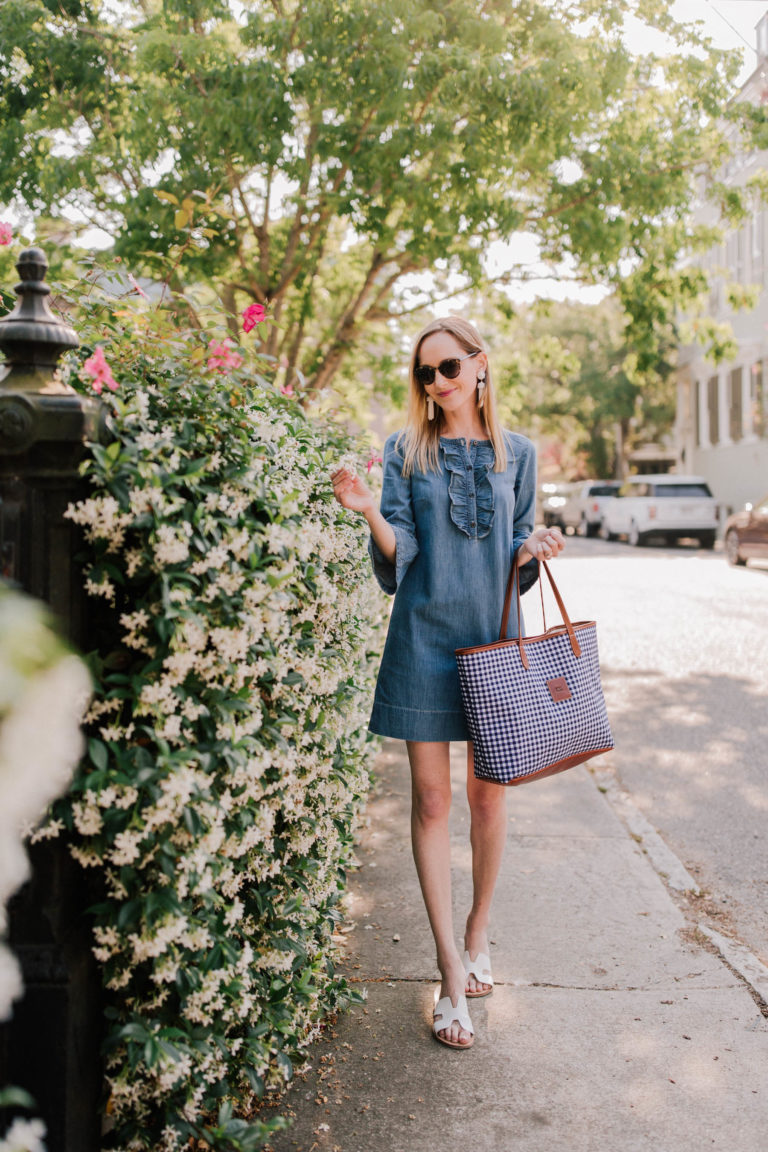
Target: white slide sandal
446 1014
480 968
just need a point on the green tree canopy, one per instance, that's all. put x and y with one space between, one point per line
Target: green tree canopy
579 385
317 155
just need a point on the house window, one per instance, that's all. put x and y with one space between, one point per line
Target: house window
735 407
712 409
715 294
741 247
734 254
762 38
758 246
757 405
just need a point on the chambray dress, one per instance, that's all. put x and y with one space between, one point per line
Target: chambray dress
457 531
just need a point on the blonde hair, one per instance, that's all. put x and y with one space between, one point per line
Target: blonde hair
420 439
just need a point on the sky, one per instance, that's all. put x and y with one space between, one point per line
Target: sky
731 23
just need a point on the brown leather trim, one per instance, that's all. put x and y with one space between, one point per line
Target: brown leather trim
551 770
558 689
514 582
555 630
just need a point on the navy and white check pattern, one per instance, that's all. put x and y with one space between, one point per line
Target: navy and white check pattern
516 727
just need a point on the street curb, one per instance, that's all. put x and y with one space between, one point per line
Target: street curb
663 859
736 955
743 962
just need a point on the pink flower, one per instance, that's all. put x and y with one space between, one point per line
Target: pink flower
100 372
6 233
287 389
136 286
221 355
373 460
252 315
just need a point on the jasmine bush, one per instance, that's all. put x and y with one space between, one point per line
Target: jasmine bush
228 756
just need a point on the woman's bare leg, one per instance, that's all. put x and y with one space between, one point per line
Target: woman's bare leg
488 832
430 810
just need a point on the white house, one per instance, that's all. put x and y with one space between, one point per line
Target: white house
722 410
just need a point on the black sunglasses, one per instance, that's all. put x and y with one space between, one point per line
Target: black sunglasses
424 374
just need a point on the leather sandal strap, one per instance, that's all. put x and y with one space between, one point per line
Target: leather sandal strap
446 1014
480 967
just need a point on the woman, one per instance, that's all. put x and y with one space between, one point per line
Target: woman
457 504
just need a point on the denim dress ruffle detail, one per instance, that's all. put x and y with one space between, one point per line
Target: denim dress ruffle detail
470 490
456 532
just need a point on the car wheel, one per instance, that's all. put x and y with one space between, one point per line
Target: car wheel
634 537
707 540
732 554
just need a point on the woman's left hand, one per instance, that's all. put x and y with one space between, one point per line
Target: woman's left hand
543 544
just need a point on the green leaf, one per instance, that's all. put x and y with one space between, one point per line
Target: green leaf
98 754
16 1098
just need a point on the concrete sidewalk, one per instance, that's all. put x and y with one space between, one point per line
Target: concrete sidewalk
613 1025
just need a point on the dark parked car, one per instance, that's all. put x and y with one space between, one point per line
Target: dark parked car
746 533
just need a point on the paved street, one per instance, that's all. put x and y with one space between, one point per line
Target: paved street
684 650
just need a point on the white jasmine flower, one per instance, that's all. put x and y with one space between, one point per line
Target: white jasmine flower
134 558
103 587
216 558
126 847
172 547
87 817
24 1136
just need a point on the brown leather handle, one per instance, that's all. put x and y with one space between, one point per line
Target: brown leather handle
513 582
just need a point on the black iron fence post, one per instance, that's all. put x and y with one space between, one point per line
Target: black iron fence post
51 1045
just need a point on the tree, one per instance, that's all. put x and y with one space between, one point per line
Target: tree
316 155
584 388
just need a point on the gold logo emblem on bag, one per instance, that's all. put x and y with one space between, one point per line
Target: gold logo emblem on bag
558 689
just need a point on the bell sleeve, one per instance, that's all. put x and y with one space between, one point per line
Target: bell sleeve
397 510
525 513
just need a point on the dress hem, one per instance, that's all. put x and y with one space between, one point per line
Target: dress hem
411 724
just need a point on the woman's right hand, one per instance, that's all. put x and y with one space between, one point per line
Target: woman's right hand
351 492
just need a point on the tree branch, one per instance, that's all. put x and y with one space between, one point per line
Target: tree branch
346 328
324 211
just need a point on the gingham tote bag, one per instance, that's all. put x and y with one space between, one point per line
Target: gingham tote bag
534 704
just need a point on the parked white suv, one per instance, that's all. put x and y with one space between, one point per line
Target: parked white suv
666 505
577 505
584 511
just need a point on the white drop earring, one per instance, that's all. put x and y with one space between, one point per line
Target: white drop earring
481 388
430 408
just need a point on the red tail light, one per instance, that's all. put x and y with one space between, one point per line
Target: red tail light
652 512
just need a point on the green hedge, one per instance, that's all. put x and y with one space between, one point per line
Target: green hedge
228 748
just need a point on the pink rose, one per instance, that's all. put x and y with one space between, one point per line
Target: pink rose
221 355
100 372
6 233
252 316
287 389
